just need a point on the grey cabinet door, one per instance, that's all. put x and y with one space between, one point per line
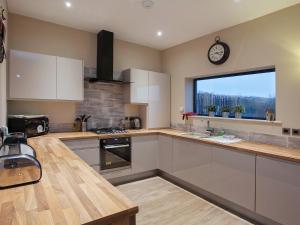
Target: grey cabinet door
82 143
165 153
192 162
90 155
228 174
278 190
87 149
233 176
144 153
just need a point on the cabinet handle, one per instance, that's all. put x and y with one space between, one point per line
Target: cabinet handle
115 146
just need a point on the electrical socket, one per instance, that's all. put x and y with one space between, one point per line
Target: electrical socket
286 131
296 132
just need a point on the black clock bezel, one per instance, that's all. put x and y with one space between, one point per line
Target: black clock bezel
225 56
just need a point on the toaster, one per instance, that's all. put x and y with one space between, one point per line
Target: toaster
18 165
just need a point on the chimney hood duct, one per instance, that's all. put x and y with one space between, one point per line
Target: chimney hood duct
105 55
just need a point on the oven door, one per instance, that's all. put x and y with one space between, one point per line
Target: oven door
113 156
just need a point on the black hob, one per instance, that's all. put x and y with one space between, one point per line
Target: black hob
109 130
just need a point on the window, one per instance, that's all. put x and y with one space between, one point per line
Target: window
254 91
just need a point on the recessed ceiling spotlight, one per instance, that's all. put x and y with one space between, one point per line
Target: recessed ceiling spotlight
68 4
159 33
237 1
148 4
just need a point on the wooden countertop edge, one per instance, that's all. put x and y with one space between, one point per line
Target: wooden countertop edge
285 155
244 149
114 217
131 208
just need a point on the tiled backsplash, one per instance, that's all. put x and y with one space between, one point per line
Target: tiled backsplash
280 140
104 102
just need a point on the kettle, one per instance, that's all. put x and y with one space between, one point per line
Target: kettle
135 123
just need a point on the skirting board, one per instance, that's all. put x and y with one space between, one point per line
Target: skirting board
223 203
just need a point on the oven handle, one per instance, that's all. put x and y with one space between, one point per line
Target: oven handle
115 146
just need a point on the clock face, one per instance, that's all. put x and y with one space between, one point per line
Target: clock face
218 53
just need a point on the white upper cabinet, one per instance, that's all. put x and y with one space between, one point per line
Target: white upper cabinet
32 75
137 90
45 77
159 100
69 79
153 89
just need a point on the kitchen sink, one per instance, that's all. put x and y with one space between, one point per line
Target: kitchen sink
196 134
223 139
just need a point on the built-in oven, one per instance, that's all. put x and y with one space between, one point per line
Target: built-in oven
115 153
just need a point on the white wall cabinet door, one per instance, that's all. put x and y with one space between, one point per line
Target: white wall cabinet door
165 154
192 162
278 190
69 79
233 176
159 100
144 153
31 75
137 90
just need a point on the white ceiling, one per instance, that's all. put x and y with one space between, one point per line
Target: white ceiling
179 20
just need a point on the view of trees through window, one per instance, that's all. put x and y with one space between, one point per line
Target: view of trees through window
254 91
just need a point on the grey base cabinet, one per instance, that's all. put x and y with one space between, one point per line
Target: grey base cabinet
86 149
144 153
228 174
278 190
165 153
192 162
233 176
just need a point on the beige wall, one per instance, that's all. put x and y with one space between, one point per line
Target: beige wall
3 80
270 40
38 36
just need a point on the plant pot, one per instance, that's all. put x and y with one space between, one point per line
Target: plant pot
83 126
238 115
225 114
211 114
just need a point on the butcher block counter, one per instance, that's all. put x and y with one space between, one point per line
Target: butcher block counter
71 192
245 146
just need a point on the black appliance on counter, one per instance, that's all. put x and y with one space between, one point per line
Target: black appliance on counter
30 125
115 153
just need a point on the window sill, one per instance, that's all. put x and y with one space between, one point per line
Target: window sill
253 121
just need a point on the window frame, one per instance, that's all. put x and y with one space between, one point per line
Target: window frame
233 75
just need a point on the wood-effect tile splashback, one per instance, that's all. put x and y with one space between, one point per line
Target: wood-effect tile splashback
104 102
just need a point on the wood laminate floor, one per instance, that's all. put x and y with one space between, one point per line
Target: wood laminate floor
163 203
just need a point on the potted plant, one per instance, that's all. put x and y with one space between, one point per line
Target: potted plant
225 111
212 110
270 115
238 111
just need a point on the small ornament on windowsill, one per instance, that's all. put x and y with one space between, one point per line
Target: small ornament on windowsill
2 35
270 115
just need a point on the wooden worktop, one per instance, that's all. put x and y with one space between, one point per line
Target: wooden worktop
245 146
69 193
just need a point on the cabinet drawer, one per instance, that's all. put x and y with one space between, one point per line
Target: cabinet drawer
82 143
90 155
